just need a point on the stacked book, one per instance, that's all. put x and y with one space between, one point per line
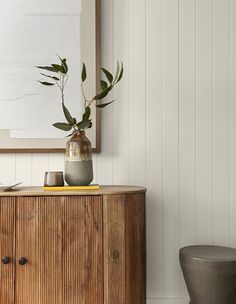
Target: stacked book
65 188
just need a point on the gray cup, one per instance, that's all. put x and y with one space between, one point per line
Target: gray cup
53 179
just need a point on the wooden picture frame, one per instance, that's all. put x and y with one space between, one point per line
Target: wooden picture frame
97 149
17 148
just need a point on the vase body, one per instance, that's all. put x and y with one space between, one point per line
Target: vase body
78 160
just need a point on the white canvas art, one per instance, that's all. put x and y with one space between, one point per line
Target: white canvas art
32 33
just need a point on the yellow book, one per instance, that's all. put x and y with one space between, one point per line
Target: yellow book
65 188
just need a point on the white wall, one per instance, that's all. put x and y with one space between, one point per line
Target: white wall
172 128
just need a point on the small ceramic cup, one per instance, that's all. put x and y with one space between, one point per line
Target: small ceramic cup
53 179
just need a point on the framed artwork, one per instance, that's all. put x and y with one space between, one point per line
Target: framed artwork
32 34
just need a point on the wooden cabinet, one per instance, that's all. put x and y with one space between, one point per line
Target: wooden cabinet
7 249
73 247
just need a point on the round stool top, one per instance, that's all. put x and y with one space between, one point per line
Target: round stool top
209 252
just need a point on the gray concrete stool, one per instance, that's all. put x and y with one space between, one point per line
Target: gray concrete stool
209 273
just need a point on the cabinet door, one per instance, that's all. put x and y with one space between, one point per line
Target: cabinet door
124 249
7 248
61 239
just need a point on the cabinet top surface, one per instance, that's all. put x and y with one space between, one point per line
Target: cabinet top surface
38 191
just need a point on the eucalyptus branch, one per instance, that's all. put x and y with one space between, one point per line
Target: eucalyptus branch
62 96
61 79
82 90
67 77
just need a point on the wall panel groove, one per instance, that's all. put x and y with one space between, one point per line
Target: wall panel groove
233 121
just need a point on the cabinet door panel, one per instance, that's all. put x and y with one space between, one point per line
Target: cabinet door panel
7 248
61 239
135 244
114 249
124 249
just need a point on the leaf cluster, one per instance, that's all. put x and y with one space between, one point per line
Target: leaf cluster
72 123
105 85
61 69
60 77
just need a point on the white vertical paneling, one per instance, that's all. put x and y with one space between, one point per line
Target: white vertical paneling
221 124
24 169
187 123
39 167
7 168
95 165
137 9
56 162
204 96
233 120
172 127
154 147
105 161
122 115
170 147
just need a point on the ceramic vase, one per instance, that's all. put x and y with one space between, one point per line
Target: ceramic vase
78 160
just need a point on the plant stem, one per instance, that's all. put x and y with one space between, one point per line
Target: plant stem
90 102
85 100
61 86
62 89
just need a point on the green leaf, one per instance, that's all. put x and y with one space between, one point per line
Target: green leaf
67 114
86 114
84 73
103 93
62 126
103 105
74 121
46 83
53 77
48 68
84 124
121 73
117 71
104 85
108 75
64 64
59 68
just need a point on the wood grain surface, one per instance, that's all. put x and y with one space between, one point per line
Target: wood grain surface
7 248
114 249
61 238
135 249
38 191
80 249
124 249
